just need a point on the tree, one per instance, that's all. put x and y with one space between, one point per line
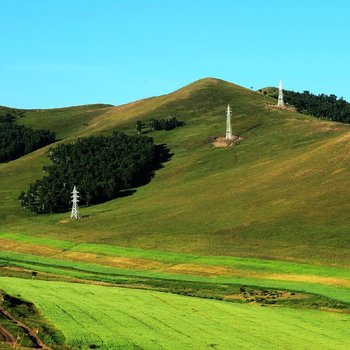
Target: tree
168 123
99 166
18 140
321 106
139 127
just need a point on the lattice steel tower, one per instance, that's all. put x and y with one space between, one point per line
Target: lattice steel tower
280 102
228 124
75 200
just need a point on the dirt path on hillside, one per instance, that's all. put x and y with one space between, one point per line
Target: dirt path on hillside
6 336
31 333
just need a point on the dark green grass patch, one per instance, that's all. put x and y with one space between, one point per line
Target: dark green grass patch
27 313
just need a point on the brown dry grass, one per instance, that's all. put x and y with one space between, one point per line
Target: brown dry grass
120 262
206 270
147 264
20 247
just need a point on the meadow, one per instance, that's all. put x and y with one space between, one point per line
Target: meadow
166 266
118 318
277 195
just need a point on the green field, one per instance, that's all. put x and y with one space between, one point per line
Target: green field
118 318
270 213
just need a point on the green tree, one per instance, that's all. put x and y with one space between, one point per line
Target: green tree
99 166
139 127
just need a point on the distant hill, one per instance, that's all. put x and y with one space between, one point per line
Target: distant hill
322 106
282 193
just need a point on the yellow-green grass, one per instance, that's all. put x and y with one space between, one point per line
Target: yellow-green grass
253 273
118 318
62 249
281 194
63 121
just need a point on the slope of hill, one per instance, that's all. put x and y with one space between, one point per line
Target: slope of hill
63 121
208 226
281 194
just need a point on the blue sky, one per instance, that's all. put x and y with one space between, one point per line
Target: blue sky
60 53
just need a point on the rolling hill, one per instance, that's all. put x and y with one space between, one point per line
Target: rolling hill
281 194
261 227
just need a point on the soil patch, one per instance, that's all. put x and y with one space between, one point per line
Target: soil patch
281 108
222 142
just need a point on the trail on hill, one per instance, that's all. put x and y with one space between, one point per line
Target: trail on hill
31 333
5 335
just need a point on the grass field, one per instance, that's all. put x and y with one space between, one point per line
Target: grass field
253 273
270 213
277 195
118 318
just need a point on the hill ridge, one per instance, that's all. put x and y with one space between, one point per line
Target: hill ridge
259 199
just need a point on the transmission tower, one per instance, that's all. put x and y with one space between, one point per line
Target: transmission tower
75 200
228 124
280 102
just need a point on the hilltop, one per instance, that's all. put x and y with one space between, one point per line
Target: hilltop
261 228
282 193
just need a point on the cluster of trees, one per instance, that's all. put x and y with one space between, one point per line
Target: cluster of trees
168 123
18 140
322 106
99 166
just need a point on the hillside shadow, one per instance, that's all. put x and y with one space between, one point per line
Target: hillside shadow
126 193
251 128
161 156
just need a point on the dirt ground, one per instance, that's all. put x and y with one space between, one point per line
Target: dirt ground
222 142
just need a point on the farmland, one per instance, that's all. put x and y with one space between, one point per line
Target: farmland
118 318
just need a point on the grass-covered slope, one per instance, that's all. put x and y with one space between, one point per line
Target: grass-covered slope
63 121
282 193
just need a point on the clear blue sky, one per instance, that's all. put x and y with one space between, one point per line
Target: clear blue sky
58 53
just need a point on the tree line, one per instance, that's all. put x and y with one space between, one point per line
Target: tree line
18 140
323 106
168 123
100 167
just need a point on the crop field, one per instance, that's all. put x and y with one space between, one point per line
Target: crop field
65 257
118 318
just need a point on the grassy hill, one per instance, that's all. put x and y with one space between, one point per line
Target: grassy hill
270 213
282 193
